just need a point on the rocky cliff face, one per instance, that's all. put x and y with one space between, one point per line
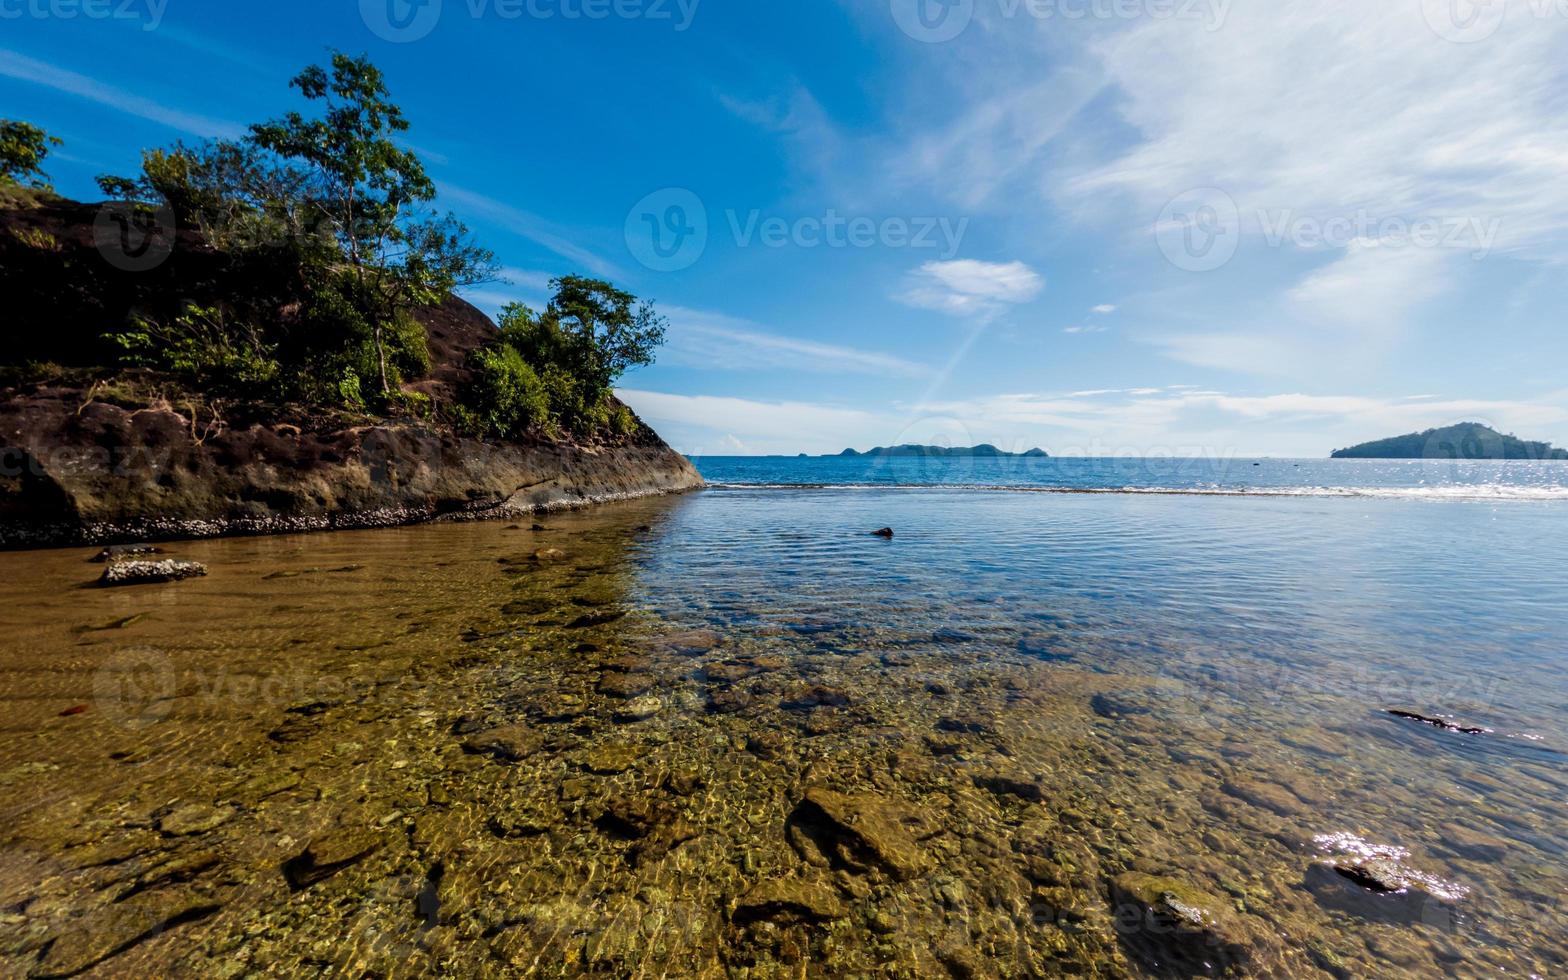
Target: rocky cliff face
89 454
74 470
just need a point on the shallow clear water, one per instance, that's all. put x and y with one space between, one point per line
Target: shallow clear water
951 753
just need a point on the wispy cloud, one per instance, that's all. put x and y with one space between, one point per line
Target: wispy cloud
1089 328
13 65
706 339
970 288
1104 309
708 424
525 225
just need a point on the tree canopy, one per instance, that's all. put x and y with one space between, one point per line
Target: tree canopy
23 149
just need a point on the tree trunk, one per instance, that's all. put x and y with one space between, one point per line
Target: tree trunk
381 363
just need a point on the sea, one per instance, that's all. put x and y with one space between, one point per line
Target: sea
1123 717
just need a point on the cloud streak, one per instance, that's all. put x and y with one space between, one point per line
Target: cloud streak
13 65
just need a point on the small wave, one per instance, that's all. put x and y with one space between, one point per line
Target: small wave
1478 492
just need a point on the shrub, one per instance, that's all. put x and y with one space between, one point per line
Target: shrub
507 395
201 347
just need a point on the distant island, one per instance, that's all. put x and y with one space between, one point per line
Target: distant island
982 451
1468 440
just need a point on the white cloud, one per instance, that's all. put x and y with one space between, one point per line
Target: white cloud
1105 309
1164 422
711 425
971 288
17 66
1093 328
701 338
1324 109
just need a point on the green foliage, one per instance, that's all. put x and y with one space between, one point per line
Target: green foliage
370 193
23 149
201 347
337 214
508 399
588 336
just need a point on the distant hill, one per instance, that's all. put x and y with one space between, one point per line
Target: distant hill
979 452
1468 440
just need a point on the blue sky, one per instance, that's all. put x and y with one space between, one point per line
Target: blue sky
1098 226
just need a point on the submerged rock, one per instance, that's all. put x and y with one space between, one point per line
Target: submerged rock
789 900
1176 929
886 532
1444 724
194 818
118 927
639 709
151 572
861 831
327 855
513 743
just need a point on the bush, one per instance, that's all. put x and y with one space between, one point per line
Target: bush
507 396
201 348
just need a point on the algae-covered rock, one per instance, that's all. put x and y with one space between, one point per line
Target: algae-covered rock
787 900
1175 928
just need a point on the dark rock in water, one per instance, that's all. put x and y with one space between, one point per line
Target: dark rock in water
328 855
861 832
886 532
1176 929
527 607
1447 726
513 743
1003 784
625 686
1383 877
728 701
1113 706
591 620
789 900
1046 646
117 551
815 697
151 572
1375 882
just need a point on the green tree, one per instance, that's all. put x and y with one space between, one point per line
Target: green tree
373 194
591 328
23 149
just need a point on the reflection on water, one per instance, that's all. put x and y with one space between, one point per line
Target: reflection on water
733 734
